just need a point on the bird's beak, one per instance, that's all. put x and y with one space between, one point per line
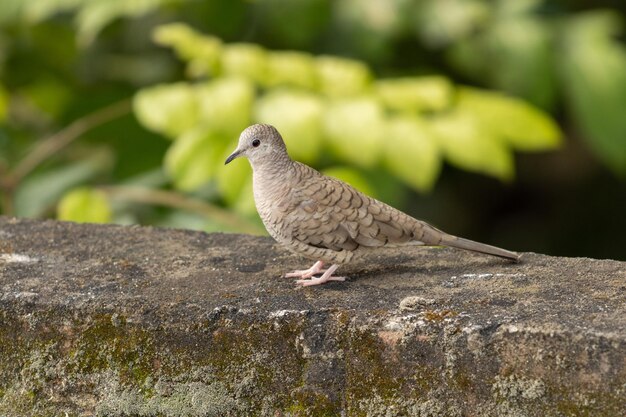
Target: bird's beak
232 156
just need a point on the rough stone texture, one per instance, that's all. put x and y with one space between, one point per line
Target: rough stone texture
134 321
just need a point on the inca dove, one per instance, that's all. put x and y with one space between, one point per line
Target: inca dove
326 219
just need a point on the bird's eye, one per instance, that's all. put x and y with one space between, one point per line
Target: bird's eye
256 143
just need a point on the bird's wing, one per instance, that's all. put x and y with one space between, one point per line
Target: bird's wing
330 214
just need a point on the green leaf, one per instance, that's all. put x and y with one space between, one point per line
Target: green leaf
4 103
298 117
523 51
352 177
95 15
202 52
11 11
594 69
169 109
513 49
442 22
467 145
36 11
233 179
225 105
84 205
245 203
525 127
185 220
192 159
412 152
49 95
293 24
355 129
342 77
245 60
291 69
415 93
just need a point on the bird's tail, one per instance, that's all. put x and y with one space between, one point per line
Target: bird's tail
460 243
429 235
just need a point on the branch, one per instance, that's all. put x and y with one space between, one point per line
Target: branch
53 144
176 200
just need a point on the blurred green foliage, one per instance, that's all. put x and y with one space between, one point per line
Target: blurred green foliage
113 110
328 106
85 205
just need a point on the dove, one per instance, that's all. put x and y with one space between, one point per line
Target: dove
325 219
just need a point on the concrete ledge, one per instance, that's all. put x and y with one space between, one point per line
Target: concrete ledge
132 321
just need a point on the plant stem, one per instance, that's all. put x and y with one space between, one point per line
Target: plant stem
49 146
176 200
53 144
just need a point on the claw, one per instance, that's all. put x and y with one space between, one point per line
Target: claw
307 273
327 276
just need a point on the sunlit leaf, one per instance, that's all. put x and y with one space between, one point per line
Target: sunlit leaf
84 205
342 77
298 117
415 93
202 52
373 18
355 128
352 177
412 152
594 69
192 159
225 105
441 22
292 69
467 145
245 60
170 109
525 127
4 103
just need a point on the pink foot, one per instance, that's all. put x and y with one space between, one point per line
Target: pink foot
327 276
307 273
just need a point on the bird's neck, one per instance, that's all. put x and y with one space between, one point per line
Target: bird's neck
272 174
277 167
271 182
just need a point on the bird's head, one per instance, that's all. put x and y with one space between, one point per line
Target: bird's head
259 143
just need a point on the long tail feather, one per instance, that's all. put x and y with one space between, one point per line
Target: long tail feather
459 242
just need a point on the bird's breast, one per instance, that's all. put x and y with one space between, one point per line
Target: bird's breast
272 203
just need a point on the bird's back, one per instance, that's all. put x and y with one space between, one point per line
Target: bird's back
323 217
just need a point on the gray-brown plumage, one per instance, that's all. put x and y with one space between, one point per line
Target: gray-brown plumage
326 219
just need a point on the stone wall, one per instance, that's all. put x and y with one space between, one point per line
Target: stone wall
134 321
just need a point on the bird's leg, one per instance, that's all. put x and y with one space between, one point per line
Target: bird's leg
327 276
307 273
